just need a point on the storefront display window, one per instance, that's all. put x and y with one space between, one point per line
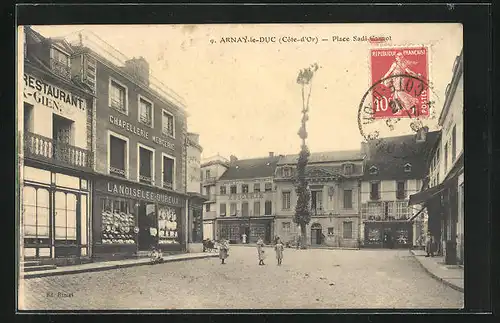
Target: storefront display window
167 224
65 217
118 221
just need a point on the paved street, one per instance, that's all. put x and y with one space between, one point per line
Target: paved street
307 279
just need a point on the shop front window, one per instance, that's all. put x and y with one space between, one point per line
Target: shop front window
118 221
36 213
167 224
65 217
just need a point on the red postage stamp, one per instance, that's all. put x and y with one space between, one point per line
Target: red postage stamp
400 82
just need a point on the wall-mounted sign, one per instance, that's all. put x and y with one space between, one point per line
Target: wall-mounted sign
37 91
140 193
246 196
139 132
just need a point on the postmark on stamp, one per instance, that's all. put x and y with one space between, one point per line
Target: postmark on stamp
403 91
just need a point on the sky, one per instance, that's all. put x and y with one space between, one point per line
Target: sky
243 99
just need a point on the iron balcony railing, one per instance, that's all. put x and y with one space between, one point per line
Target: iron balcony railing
60 68
50 150
168 185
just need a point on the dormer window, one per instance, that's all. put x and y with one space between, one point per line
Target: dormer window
287 172
60 63
373 170
407 167
348 169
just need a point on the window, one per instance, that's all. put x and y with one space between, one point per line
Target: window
374 191
207 207
207 174
207 192
167 124
244 188
287 172
400 190
60 63
244 209
232 209
407 168
348 169
223 190
268 208
65 217
233 189
268 187
373 170
374 211
454 143
118 96
222 209
117 210
330 231
146 164
145 112
317 200
286 200
256 208
286 226
347 199
168 171
388 210
445 157
401 210
28 117
118 155
36 212
347 230
256 187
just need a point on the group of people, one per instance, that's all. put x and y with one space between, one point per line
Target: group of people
278 248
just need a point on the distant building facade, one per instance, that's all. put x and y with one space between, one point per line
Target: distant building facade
394 170
245 200
334 181
443 193
211 169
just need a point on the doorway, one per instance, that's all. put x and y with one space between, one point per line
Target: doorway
62 136
148 226
316 234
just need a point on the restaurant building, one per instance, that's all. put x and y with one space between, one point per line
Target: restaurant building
443 193
139 193
334 180
55 151
245 200
212 169
394 170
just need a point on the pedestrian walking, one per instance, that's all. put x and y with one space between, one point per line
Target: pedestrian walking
429 244
279 248
244 238
223 250
260 251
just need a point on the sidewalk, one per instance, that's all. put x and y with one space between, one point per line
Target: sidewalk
253 245
106 265
453 276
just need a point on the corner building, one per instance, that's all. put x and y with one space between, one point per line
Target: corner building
139 191
245 200
56 139
334 180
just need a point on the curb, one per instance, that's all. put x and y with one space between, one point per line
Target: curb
28 275
447 283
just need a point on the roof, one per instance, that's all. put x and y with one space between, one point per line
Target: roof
324 157
394 153
251 168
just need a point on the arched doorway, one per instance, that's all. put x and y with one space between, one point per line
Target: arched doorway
316 234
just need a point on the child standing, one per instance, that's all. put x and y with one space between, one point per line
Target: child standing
278 247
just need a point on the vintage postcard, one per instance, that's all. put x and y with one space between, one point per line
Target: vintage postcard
240 166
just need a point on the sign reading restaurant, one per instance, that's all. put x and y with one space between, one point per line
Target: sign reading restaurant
139 132
37 91
144 194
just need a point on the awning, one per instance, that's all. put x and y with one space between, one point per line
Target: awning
426 195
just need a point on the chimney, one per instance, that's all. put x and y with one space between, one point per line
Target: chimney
232 159
139 68
271 154
365 149
422 134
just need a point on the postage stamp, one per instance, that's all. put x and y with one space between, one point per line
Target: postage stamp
400 78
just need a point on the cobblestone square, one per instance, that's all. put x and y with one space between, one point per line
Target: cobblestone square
315 278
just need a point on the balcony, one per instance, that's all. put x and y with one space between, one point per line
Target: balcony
168 185
209 180
146 179
60 68
49 150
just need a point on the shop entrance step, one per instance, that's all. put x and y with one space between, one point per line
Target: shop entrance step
39 267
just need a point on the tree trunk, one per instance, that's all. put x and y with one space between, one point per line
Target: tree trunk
303 242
